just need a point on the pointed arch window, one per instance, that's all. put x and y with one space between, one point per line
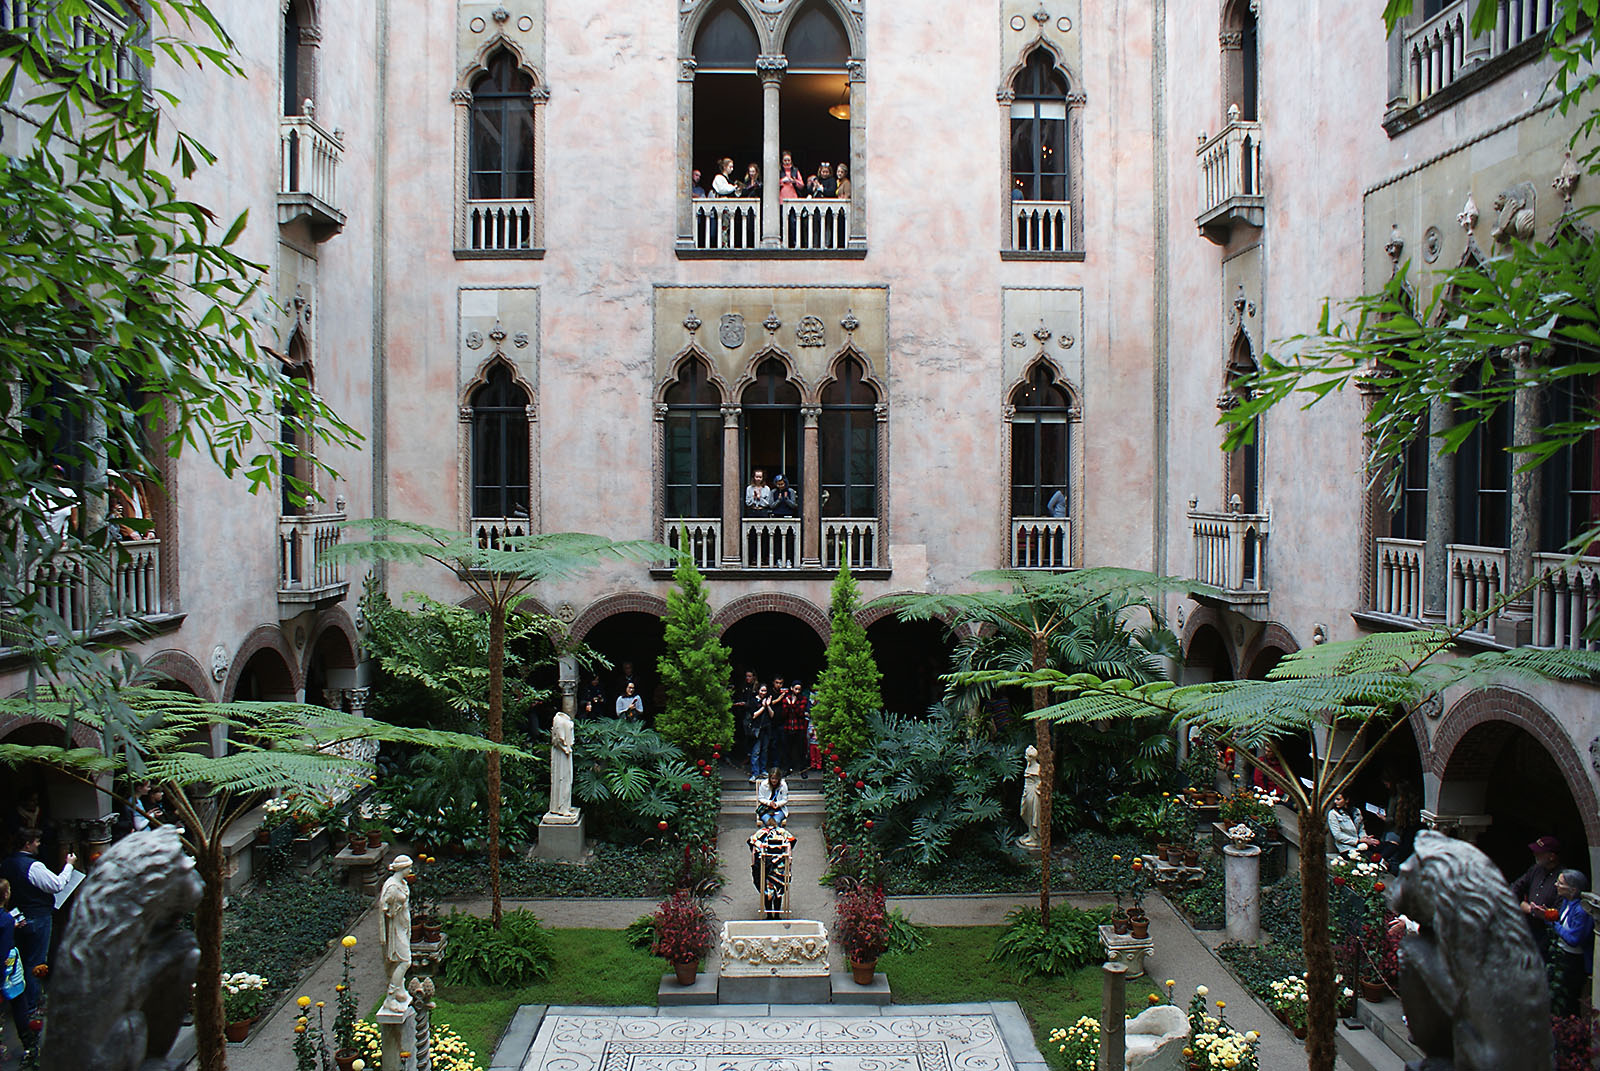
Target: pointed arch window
770 422
1483 478
1041 442
848 444
501 164
296 470
500 455
1244 463
1571 476
693 444
1039 152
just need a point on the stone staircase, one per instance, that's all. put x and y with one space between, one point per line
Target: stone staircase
739 795
1380 1041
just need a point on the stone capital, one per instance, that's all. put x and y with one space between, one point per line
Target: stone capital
686 70
771 68
730 416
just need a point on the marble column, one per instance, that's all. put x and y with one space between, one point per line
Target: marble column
398 1031
1441 517
1113 1017
771 69
1242 876
732 488
811 496
1514 625
686 75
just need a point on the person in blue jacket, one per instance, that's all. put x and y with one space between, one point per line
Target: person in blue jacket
1571 945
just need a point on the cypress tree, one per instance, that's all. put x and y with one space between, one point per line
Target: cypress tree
847 692
694 668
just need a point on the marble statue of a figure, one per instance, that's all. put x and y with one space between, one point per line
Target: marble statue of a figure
561 738
1030 799
394 904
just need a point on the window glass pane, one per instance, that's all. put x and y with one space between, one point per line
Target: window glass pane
709 455
816 40
679 446
487 140
1024 462
1052 454
1024 161
831 452
519 149
725 39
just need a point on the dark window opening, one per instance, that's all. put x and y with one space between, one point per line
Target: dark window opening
1250 69
694 444
291 60
500 485
1409 520
1571 498
1039 170
1483 483
501 139
815 39
1041 439
1244 463
848 445
726 40
770 425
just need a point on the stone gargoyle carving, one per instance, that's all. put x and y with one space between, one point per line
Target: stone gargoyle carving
1513 214
1472 982
126 962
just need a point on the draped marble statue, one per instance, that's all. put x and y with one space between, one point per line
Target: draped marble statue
394 904
562 735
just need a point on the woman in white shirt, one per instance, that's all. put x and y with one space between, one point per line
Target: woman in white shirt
722 184
1346 828
628 704
772 800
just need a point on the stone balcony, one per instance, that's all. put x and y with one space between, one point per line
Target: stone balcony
1230 552
778 546
1443 61
308 184
1041 543
88 601
307 580
1230 179
733 227
1041 228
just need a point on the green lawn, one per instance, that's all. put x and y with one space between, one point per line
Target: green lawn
954 968
592 967
599 967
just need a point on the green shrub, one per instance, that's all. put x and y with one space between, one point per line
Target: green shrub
283 923
629 778
1090 859
847 692
519 953
1258 966
698 716
641 932
616 871
1071 942
1280 911
904 935
1205 903
974 872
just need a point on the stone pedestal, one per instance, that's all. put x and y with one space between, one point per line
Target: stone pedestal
1242 876
399 1034
1127 950
363 867
560 837
1113 1007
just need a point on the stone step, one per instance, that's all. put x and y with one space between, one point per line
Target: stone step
1362 1050
1385 1021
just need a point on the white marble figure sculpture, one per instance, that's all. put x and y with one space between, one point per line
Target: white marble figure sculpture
394 904
561 740
1030 799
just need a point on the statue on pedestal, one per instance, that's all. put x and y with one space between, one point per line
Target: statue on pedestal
562 735
1471 980
1030 799
394 904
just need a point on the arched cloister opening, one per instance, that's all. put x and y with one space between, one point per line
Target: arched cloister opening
265 677
727 92
330 668
911 655
632 641
1207 657
39 795
1501 770
775 644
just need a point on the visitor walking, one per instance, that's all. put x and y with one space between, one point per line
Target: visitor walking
13 977
1535 891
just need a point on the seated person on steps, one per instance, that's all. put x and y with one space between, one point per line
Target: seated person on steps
772 800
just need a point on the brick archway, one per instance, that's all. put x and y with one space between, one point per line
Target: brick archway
336 619
1203 617
1501 710
625 602
263 638
181 668
1273 636
776 602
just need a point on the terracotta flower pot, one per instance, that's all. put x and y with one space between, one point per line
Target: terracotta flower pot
1373 992
1140 928
863 972
357 842
1191 858
374 840
1175 855
431 932
344 1058
1300 1032
237 1032
686 971
1119 924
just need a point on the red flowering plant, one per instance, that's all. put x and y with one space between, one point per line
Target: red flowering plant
862 920
683 929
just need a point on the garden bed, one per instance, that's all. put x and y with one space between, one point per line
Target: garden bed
282 924
616 872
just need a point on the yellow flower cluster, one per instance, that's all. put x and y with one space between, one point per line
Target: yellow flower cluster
1217 1047
1081 1043
450 1052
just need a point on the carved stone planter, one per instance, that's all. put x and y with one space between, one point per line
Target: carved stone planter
776 948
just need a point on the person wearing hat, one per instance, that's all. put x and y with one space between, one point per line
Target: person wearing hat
1535 891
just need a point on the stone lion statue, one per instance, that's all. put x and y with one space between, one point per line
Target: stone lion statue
1472 982
126 962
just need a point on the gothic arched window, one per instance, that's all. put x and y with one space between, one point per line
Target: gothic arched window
770 415
1244 463
500 485
694 444
1039 149
501 139
1041 441
848 444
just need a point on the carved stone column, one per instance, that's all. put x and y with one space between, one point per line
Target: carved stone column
771 69
686 71
357 699
1441 517
811 500
732 487
1514 626
462 99
856 74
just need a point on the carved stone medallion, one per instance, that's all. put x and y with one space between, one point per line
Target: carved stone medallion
1432 241
810 331
474 340
732 331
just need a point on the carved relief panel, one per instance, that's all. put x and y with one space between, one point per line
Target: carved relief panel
519 23
497 321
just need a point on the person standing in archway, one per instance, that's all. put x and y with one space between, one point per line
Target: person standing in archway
1535 892
792 717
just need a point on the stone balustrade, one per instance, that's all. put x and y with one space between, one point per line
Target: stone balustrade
490 532
704 539
1230 177
136 578
1041 226
101 26
1477 583
1566 601
1041 543
1442 49
1230 551
850 541
501 226
305 575
770 542
734 224
1399 578
814 223
308 181
727 222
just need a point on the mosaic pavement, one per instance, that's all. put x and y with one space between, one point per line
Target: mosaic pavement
770 1042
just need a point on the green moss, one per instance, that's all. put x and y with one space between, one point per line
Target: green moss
954 968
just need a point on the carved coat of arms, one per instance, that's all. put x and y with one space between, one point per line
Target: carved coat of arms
732 331
810 331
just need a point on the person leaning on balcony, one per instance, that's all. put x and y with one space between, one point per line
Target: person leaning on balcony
695 188
1057 506
841 181
757 495
722 185
751 186
790 182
